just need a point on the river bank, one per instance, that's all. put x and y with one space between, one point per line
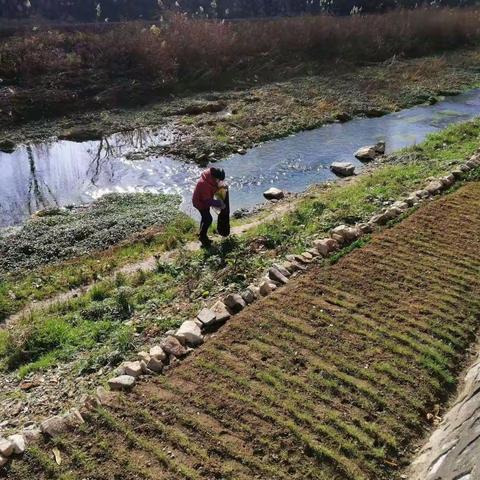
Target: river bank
208 126
70 344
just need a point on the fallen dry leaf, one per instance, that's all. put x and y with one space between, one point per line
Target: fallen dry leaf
57 455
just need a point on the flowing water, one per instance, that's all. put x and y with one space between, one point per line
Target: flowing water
60 173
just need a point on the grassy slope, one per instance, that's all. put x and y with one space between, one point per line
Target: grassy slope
64 250
329 378
146 298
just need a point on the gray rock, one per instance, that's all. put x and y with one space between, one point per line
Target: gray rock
277 276
18 441
434 187
54 426
379 147
6 447
158 353
307 255
265 288
172 346
292 267
255 290
385 217
457 173
343 169
248 295
448 180
3 460
421 193
191 332
325 246
471 163
134 369
348 234
221 312
298 258
143 366
122 382
207 316
235 302
154 364
273 194
394 212
32 435
401 205
365 228
74 418
282 269
464 168
103 396
144 356
366 153
411 200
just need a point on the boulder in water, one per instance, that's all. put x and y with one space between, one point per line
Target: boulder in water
343 169
7 146
273 194
370 152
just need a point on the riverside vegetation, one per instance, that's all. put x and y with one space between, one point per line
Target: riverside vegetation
100 328
43 72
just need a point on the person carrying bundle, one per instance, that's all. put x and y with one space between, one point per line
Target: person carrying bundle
212 192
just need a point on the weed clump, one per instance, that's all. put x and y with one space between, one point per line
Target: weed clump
109 221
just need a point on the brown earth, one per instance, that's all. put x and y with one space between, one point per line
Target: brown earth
331 377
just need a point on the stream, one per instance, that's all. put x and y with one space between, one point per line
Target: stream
60 173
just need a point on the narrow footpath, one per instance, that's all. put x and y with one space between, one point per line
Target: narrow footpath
146 264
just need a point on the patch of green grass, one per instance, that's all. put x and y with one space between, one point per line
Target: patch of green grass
221 134
357 201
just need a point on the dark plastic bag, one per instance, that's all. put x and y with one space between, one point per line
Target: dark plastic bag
223 223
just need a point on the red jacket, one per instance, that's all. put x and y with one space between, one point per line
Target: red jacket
204 192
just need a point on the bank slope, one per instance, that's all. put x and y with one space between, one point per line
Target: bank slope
331 377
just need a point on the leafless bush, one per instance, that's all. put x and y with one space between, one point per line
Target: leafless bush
181 49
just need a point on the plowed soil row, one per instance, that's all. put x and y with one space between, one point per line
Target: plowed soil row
331 377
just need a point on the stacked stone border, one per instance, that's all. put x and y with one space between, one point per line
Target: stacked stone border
177 344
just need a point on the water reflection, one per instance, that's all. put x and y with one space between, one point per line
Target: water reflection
64 172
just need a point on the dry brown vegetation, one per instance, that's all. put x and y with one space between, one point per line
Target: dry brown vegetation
196 51
182 47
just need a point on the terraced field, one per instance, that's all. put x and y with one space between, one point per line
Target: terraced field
329 378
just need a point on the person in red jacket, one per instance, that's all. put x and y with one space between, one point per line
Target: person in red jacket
203 199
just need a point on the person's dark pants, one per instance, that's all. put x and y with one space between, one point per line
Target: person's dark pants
205 223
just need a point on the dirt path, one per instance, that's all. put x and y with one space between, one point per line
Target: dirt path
330 377
147 264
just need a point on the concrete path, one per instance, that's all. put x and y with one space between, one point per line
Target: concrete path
453 450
